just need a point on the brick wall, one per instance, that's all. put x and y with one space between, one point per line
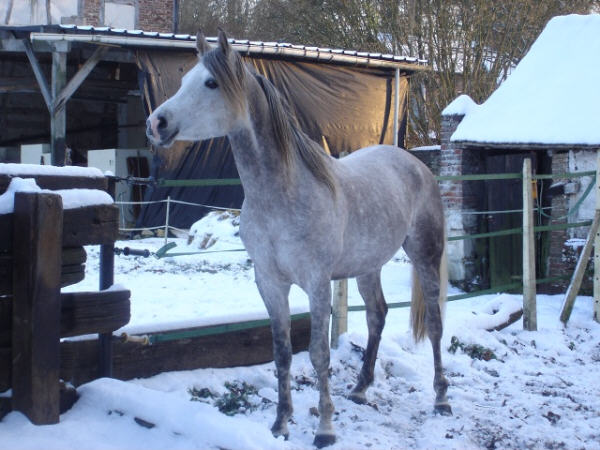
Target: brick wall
91 12
460 198
156 15
151 15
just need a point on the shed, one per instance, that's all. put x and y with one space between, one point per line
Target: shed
113 78
548 110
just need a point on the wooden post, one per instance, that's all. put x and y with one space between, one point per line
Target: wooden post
529 292
107 279
339 312
579 272
597 247
167 219
396 105
58 116
37 231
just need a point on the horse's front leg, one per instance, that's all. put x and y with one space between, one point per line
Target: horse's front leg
320 310
275 296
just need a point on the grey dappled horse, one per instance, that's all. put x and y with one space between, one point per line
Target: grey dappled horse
308 218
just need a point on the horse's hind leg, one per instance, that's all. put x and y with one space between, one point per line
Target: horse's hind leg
369 287
275 296
426 255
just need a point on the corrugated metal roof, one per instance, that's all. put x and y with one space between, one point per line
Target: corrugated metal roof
141 38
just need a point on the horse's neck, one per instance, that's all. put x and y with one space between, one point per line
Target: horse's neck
259 162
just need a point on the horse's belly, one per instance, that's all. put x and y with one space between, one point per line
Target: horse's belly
368 252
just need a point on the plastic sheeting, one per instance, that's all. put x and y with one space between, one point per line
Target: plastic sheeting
350 107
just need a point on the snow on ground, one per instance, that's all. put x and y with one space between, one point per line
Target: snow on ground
535 390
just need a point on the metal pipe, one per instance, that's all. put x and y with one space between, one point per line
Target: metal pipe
396 104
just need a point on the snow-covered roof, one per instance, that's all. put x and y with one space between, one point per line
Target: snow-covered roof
142 38
460 106
551 98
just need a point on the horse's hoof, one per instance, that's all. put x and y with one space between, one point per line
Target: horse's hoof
443 409
323 440
278 432
358 398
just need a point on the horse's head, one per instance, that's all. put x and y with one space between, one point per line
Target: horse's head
209 102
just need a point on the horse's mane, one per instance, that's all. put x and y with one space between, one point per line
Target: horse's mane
230 74
290 137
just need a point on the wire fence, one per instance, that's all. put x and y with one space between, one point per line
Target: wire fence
459 178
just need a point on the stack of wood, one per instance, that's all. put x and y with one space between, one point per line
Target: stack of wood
41 251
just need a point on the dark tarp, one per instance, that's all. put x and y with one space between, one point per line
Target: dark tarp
351 107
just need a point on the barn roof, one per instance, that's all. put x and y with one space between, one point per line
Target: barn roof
146 39
552 98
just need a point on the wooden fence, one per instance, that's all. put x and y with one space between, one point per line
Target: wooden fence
41 252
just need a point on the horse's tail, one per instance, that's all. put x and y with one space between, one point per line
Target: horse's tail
417 304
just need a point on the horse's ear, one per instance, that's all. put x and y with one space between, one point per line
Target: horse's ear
223 42
201 44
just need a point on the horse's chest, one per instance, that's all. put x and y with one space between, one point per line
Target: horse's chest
281 244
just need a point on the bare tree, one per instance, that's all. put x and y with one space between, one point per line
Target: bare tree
48 15
471 45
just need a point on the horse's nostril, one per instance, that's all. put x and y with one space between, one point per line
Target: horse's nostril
162 122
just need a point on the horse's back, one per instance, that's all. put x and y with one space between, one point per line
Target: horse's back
385 190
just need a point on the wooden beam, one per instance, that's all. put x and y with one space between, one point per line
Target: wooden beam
89 225
339 311
79 359
54 182
396 105
36 306
93 312
579 272
597 247
58 117
39 74
529 289
74 83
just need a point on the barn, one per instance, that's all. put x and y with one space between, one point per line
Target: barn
75 88
547 110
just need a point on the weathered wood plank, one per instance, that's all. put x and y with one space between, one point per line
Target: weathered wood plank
94 312
73 255
36 306
79 359
54 182
80 313
72 269
91 225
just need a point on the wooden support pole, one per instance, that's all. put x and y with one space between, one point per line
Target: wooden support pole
597 247
339 312
60 100
37 231
577 277
58 117
107 279
396 104
39 74
529 290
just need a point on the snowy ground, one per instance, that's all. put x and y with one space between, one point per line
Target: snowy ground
540 390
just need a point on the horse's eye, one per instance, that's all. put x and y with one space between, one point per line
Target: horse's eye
211 83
